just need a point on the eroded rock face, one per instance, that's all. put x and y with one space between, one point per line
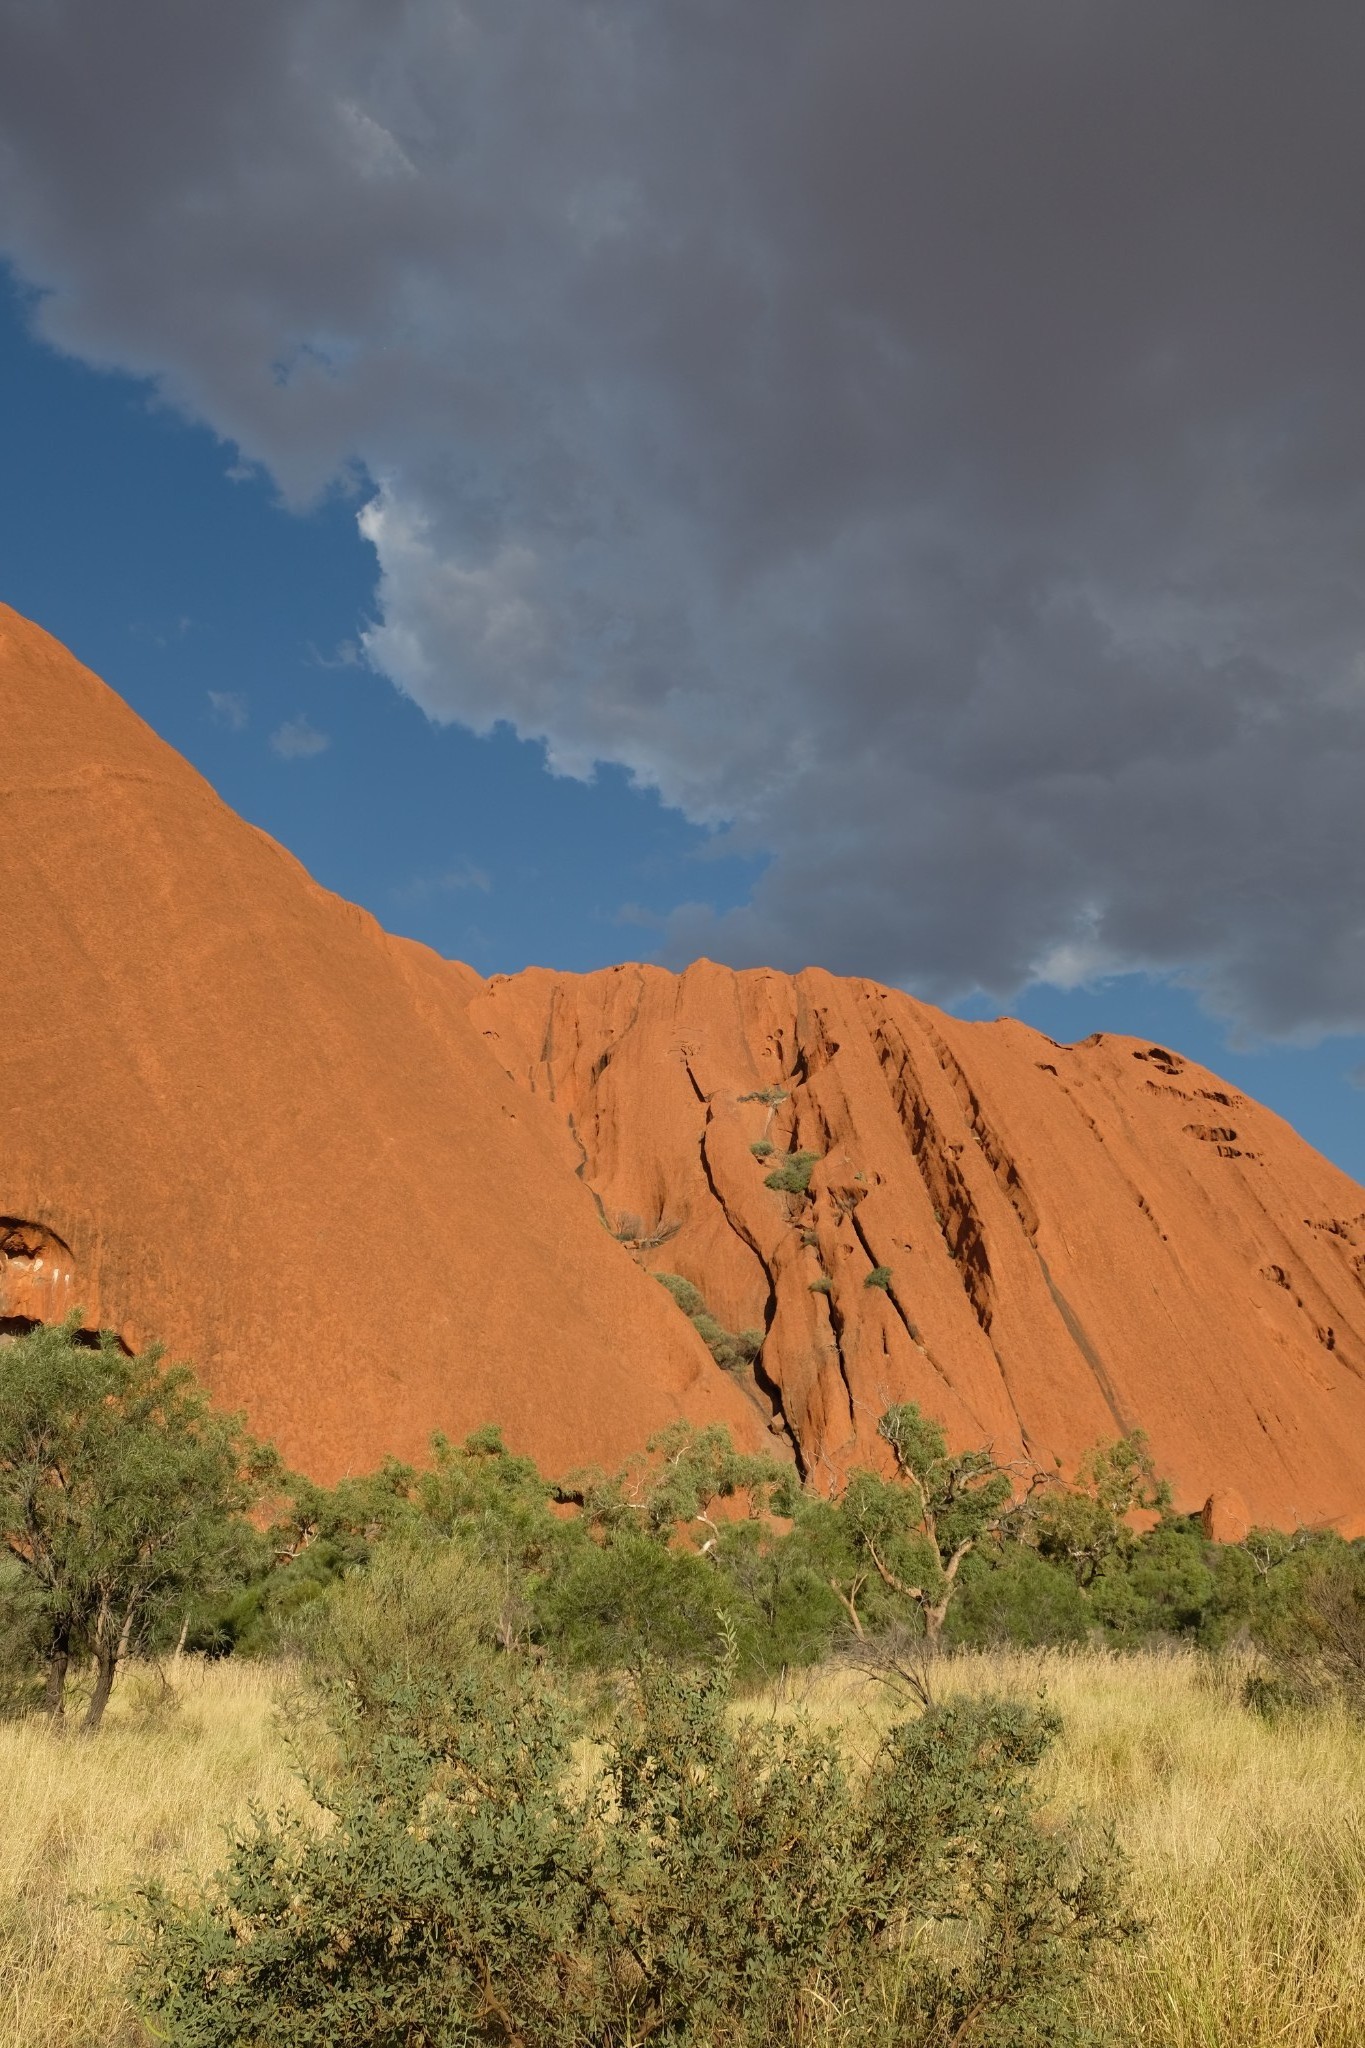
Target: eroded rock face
365 1191
1080 1240
236 1115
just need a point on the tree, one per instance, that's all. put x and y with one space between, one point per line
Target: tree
685 1471
914 1530
1087 1525
121 1496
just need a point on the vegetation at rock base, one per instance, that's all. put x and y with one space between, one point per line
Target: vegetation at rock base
1244 1837
558 1744
121 1502
702 1878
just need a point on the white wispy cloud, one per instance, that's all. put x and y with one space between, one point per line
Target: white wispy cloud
298 739
451 882
229 708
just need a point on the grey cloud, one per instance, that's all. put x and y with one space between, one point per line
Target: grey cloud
298 739
927 442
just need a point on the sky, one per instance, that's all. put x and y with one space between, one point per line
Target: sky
879 486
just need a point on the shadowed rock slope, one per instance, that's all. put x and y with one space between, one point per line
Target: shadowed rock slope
1080 1240
236 1115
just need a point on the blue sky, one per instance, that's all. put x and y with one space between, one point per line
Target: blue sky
140 542
878 486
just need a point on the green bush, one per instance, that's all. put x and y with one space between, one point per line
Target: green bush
880 1276
762 1148
617 1601
792 1177
1017 1597
477 1879
823 1285
689 1298
731 1349
418 1613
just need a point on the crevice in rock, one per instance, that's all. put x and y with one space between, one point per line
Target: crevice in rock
955 1212
836 1331
770 1386
1075 1329
911 1327
1004 1168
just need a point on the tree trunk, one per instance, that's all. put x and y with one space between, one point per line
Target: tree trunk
849 1602
54 1684
106 1665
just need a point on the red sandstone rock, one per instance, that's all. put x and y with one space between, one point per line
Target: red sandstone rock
236 1115
1224 1516
1082 1240
356 1184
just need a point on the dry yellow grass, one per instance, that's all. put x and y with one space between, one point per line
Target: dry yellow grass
1247 1842
85 1821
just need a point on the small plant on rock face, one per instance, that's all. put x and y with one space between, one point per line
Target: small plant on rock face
688 1297
822 1285
761 1149
792 1177
880 1276
768 1096
732 1350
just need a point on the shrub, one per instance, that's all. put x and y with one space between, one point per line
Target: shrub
732 1350
762 1148
418 1613
476 1880
823 1285
688 1297
1018 1597
792 1177
615 1602
880 1276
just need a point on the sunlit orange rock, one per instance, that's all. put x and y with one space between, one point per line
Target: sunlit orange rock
236 1115
366 1191
1081 1240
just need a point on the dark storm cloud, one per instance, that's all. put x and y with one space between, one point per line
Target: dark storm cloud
927 439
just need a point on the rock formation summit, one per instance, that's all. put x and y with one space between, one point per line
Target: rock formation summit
366 1191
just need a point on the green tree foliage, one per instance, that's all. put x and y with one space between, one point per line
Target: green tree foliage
1086 1526
121 1498
1010 1594
471 1877
907 1536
